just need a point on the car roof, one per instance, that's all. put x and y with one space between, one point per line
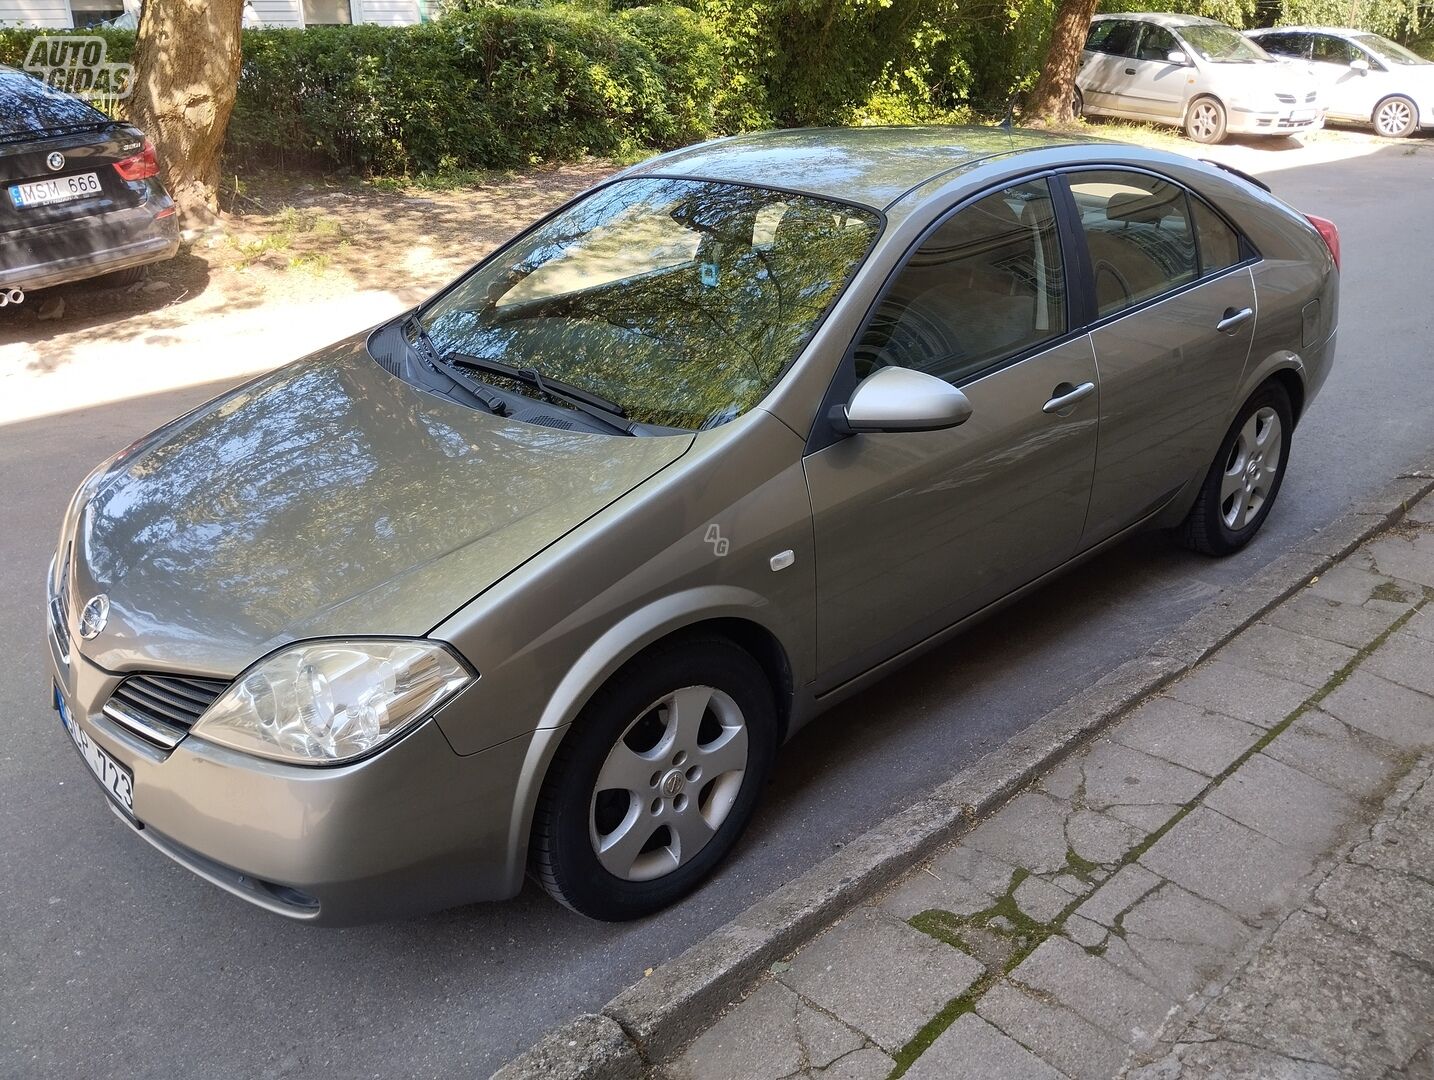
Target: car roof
874 166
1338 31
1160 18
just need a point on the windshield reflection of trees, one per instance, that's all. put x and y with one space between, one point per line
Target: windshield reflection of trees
682 300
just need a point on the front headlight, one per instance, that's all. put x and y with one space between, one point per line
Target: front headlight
324 702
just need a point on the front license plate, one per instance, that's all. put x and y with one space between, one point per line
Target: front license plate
1302 115
117 781
56 189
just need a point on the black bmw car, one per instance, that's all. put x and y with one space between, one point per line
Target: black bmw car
82 195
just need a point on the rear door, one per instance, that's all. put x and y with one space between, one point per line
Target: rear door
1166 269
1108 51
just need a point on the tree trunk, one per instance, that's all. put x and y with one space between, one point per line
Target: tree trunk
1051 99
186 58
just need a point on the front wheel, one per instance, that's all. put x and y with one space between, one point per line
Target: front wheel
1246 476
1205 122
1396 117
656 781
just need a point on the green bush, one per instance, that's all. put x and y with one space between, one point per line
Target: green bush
489 87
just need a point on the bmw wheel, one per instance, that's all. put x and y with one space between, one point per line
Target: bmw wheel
1205 122
1246 476
1396 117
656 781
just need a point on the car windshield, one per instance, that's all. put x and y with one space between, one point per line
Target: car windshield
1387 50
28 106
683 301
1217 44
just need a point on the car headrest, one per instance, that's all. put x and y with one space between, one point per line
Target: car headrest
1137 207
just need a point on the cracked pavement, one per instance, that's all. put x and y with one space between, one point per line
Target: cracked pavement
1234 880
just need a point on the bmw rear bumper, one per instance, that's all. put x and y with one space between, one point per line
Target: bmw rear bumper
66 251
411 829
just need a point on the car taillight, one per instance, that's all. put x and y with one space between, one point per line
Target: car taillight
141 166
1327 230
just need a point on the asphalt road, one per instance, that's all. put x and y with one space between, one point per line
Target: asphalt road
116 963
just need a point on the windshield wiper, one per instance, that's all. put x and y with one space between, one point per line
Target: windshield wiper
417 335
595 405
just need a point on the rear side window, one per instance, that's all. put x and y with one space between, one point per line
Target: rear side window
986 285
1139 233
1283 44
1120 40
1219 245
28 106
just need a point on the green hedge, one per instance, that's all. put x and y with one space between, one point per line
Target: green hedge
488 87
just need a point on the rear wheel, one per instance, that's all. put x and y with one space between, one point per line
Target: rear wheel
1077 103
656 781
1205 122
1245 477
1396 117
118 279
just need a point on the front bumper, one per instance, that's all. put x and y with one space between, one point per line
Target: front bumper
1287 120
411 829
85 247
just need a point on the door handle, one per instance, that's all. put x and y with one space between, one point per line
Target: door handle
1234 318
1067 395
1130 71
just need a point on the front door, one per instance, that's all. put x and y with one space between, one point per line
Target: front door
1349 94
915 530
1155 86
1167 269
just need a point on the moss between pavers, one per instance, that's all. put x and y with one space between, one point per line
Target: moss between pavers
1005 919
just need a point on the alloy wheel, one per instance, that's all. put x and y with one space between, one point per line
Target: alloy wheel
1204 121
1252 469
668 783
1393 118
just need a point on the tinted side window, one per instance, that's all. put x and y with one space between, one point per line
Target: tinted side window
1329 49
1218 243
1139 233
1283 44
1157 43
1121 40
985 285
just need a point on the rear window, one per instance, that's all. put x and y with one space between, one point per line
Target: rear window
28 106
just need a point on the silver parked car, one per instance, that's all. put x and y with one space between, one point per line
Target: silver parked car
1192 72
1364 78
540 576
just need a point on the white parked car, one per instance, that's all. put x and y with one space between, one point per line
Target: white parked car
1196 73
1363 77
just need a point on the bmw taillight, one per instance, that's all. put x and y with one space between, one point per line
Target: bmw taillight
140 166
1328 233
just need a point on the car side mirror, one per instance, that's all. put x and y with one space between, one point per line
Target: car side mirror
901 399
1177 56
1359 64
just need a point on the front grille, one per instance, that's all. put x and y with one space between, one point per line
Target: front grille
1309 97
60 605
162 708
1287 99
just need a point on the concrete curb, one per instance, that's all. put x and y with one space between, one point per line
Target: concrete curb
653 1019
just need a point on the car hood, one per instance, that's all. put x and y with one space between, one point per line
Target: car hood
1248 80
328 498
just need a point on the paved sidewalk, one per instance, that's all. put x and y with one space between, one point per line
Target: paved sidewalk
1236 880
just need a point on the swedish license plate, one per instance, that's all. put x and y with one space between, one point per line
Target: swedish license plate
56 189
117 781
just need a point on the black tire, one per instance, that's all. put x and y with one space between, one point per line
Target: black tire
1077 103
1207 528
1395 117
562 855
1205 121
119 279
